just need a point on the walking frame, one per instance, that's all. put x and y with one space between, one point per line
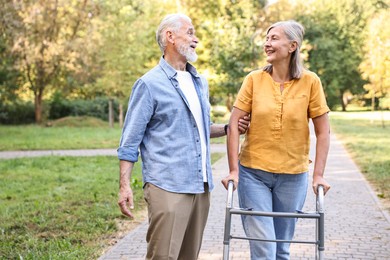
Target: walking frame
318 216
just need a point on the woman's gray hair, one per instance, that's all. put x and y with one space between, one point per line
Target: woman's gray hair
172 22
294 32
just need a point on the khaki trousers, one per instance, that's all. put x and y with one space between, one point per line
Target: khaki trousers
176 223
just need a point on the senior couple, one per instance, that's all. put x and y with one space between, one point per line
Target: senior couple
168 122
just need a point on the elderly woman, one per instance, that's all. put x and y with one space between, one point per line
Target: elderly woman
271 170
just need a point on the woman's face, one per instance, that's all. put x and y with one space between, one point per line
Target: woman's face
278 47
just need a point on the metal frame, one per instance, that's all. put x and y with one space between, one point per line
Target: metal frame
318 216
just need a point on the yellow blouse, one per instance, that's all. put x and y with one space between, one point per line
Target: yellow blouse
278 139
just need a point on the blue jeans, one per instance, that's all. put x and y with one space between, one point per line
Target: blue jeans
270 192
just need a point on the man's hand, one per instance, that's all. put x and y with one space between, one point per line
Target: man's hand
125 201
243 124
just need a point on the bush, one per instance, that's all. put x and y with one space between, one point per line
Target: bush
20 112
384 102
60 107
16 113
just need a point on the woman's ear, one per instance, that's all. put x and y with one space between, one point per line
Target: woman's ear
293 47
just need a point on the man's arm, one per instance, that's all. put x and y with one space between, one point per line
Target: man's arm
125 201
218 130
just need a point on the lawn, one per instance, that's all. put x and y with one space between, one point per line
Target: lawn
63 207
366 136
72 133
34 137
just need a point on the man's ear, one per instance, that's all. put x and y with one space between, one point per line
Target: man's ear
170 37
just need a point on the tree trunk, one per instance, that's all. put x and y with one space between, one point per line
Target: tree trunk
120 115
343 105
110 113
38 107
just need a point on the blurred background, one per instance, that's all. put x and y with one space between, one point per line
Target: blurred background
80 58
67 68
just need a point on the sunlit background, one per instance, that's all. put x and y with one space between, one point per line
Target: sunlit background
54 53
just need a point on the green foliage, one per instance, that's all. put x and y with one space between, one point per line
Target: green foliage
9 74
50 39
377 60
335 34
98 107
16 113
385 102
78 121
19 112
60 207
232 45
128 47
90 49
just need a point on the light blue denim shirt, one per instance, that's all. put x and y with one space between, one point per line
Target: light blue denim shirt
160 124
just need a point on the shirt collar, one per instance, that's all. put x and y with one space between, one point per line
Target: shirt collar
171 72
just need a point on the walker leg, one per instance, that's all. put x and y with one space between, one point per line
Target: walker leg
228 220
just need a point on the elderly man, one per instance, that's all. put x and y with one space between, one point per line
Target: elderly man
168 120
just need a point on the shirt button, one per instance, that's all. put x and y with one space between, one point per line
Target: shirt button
197 141
200 170
198 155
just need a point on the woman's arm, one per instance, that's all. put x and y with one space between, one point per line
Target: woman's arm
322 131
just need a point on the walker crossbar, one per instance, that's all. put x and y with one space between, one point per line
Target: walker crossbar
275 240
318 217
274 214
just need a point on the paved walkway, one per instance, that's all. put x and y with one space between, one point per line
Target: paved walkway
356 225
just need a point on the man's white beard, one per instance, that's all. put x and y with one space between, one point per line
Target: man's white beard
187 52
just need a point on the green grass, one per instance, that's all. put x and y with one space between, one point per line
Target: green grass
66 133
62 207
55 207
33 137
366 135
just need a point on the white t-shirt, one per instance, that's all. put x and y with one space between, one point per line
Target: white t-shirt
188 88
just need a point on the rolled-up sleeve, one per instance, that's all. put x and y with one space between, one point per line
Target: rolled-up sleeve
317 104
245 95
139 112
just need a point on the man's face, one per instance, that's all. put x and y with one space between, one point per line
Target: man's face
186 42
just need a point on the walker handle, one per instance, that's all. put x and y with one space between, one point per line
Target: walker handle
320 199
230 194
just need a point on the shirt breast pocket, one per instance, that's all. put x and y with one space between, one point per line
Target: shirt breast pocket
295 111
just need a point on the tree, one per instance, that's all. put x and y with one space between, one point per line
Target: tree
335 33
376 66
48 38
128 47
228 49
9 75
